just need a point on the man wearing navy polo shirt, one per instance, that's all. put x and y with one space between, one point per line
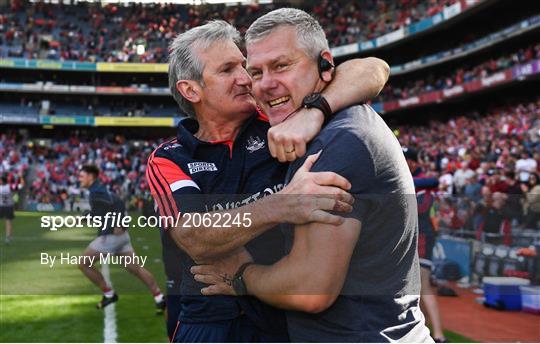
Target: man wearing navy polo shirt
353 282
220 163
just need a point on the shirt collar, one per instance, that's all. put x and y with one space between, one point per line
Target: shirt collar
187 127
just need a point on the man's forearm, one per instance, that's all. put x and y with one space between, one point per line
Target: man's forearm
211 239
356 81
311 276
289 281
293 284
274 284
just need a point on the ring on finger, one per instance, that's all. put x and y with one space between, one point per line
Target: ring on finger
289 150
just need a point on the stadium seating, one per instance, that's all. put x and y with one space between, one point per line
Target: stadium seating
434 82
392 91
88 32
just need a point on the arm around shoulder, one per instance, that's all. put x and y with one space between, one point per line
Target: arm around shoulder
356 81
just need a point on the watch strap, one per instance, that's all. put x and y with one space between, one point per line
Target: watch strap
319 102
239 285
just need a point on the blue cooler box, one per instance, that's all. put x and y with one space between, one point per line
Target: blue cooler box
503 292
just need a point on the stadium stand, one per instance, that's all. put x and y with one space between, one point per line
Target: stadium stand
478 161
113 33
465 74
123 164
393 90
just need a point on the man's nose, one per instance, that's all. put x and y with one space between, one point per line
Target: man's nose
267 82
243 78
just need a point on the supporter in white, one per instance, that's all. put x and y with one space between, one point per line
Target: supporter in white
461 176
446 185
525 166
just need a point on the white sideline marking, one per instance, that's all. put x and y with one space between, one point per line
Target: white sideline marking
109 325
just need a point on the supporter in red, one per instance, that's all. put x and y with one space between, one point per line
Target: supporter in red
495 182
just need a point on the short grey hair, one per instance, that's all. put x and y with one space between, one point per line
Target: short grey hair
309 32
184 62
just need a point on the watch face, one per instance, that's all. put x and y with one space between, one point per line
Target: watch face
310 98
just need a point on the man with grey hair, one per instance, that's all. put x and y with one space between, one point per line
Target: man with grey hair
353 282
184 60
218 157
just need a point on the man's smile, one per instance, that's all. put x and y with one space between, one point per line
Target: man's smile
279 101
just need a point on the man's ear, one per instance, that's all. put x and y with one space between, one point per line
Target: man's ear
189 89
328 75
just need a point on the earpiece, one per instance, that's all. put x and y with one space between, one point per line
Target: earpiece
324 65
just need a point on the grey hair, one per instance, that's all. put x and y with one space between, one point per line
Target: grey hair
184 62
309 32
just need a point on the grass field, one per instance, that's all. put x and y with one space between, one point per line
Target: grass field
43 304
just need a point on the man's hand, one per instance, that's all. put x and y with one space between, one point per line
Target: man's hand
220 273
310 195
287 141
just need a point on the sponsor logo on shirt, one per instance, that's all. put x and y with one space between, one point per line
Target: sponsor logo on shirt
200 166
254 143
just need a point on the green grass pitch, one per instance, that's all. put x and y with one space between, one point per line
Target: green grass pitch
43 304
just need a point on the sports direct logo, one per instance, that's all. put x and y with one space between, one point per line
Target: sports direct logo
195 167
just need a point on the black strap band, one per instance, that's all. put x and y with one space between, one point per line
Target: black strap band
241 269
239 285
317 100
327 111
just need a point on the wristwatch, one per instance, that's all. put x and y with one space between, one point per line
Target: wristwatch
238 283
317 100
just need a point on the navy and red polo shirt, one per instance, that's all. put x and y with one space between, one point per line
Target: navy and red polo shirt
189 175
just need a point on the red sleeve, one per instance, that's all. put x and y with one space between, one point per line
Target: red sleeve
166 179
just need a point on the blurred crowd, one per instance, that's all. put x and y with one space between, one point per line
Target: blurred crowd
140 33
458 76
56 163
14 162
487 167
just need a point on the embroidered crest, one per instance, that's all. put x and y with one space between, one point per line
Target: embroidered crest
254 143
